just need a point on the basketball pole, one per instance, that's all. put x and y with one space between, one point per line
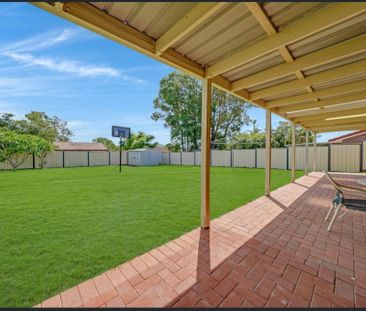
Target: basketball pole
120 154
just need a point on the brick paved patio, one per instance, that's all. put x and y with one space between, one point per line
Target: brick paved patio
271 252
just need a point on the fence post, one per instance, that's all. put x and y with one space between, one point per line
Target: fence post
255 158
169 157
329 156
232 158
181 157
287 159
88 159
33 161
194 157
63 158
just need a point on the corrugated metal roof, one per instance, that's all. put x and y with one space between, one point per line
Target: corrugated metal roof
238 27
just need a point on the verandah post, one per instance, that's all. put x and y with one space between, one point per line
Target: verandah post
205 153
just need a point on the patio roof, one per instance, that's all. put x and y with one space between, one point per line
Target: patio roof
303 61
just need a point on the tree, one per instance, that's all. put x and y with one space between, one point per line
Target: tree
40 124
106 142
249 140
15 148
139 141
179 105
173 147
7 121
228 116
282 135
41 148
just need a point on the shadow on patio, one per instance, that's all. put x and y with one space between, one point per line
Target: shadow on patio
271 252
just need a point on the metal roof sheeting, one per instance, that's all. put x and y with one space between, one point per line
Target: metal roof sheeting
234 27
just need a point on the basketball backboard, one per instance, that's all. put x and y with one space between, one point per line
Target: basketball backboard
120 131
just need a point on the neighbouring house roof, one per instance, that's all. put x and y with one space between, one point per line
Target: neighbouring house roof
76 146
348 136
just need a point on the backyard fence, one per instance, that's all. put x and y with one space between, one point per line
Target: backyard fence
336 158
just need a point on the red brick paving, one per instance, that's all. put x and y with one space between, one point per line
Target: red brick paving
272 252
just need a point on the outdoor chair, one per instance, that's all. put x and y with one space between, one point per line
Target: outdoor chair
340 200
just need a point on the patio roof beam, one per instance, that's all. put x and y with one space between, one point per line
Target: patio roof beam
331 91
304 27
193 19
336 122
327 114
299 109
260 15
335 52
345 127
325 76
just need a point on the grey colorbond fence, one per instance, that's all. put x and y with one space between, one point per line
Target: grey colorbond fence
337 158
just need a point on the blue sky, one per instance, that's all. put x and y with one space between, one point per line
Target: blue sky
49 64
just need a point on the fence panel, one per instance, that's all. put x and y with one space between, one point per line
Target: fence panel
321 158
345 158
197 155
115 157
165 158
187 158
244 158
175 158
279 158
52 160
76 158
260 157
97 158
221 158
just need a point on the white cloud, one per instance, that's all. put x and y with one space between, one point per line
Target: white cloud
42 41
65 66
19 52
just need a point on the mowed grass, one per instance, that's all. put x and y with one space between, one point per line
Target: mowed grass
59 227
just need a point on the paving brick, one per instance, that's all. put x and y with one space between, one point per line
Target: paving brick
320 302
53 302
87 291
71 298
127 292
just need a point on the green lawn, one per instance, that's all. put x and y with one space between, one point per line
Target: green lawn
59 227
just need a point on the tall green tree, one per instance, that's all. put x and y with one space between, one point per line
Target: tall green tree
227 118
139 141
179 105
40 124
106 142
